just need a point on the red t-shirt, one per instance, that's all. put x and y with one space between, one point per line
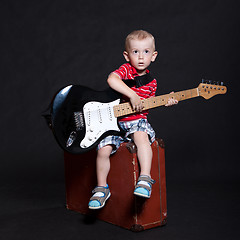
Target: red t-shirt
127 71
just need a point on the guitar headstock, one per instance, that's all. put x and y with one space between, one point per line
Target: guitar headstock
208 89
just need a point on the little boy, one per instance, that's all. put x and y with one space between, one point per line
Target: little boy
135 83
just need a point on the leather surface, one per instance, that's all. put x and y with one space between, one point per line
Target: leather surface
122 208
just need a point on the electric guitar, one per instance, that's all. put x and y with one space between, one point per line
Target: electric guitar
81 117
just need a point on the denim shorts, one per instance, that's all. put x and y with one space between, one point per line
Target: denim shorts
129 128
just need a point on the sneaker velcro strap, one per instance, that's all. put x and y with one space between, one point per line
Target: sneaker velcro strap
146 179
101 189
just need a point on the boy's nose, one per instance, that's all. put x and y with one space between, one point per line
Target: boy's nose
140 56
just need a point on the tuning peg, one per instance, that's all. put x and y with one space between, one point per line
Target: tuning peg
210 81
203 81
221 83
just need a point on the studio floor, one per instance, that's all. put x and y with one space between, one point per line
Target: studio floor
196 210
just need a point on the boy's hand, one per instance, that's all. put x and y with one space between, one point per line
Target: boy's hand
136 102
171 101
116 83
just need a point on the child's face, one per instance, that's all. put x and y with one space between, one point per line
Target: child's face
140 54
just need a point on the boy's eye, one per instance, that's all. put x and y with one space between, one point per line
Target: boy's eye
135 51
146 51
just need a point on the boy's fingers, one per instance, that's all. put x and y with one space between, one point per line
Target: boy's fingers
171 102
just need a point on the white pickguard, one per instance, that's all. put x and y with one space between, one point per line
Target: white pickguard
99 118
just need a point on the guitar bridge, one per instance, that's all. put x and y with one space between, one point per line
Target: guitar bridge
79 120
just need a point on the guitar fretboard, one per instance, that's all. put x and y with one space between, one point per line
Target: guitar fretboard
126 108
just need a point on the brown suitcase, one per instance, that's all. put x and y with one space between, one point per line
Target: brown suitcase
122 208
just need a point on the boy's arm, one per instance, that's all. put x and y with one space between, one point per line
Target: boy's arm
116 83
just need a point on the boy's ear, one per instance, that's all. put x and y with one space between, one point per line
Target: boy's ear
155 53
125 54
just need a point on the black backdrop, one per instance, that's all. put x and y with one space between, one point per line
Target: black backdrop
46 45
49 44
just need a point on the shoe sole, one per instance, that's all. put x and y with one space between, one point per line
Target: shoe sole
141 195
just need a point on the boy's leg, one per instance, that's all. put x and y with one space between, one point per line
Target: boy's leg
103 165
101 193
144 152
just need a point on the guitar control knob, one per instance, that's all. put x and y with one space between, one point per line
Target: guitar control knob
90 138
91 129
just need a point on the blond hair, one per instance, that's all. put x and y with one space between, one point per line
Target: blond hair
139 35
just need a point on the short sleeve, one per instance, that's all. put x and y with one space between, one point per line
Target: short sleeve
123 71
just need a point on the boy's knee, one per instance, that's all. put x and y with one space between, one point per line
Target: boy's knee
105 151
140 138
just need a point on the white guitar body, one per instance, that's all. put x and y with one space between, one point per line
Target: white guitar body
99 119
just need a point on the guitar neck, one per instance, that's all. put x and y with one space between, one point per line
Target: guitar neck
126 108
